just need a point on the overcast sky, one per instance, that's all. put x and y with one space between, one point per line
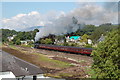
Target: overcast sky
22 15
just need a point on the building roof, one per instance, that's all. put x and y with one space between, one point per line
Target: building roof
102 38
75 37
18 66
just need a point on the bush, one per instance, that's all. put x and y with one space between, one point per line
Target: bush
18 42
88 46
106 57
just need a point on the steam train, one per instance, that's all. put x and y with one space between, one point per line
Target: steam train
71 49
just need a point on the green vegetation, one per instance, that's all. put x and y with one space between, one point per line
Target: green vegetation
59 75
37 58
18 42
55 63
102 29
13 47
27 45
84 38
6 33
87 31
24 36
50 75
19 36
46 41
65 75
107 57
91 72
88 46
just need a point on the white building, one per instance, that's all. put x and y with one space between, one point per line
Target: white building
7 74
10 38
89 41
25 42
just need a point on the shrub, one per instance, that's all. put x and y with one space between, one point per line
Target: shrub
107 57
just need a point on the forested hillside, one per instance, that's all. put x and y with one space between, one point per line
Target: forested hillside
6 33
94 33
19 35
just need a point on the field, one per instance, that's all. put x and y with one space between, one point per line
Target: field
54 64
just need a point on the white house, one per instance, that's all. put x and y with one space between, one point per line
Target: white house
25 42
7 74
61 41
89 41
10 38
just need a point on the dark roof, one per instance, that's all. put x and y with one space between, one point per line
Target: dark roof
17 66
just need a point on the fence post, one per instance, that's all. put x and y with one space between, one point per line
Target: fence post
34 77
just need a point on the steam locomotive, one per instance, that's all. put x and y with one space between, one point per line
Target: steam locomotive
71 49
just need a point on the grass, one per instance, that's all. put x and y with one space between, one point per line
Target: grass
0 44
81 61
13 47
27 45
65 75
54 63
38 59
91 72
60 75
50 75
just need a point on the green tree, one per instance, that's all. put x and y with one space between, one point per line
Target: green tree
18 42
107 57
85 29
42 41
84 38
102 29
7 33
46 41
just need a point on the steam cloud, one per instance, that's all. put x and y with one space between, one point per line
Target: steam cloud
60 26
65 23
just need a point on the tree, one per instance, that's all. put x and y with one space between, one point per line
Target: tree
84 38
106 57
46 41
42 41
18 42
7 33
102 29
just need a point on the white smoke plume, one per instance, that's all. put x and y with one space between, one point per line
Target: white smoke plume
60 26
90 14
